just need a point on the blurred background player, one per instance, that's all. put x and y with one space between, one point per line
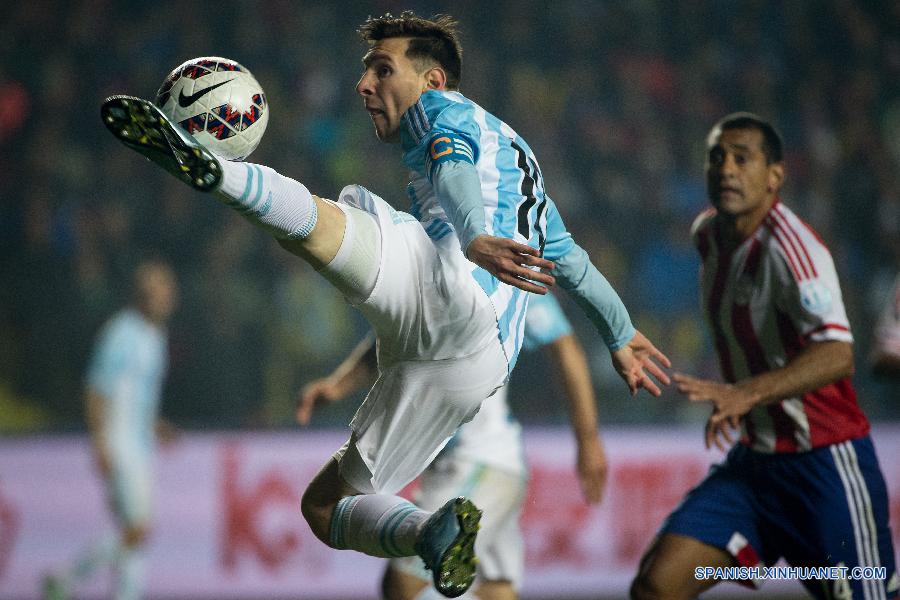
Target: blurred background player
803 483
448 333
885 357
485 460
122 397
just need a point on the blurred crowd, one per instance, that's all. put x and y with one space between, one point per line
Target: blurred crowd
615 98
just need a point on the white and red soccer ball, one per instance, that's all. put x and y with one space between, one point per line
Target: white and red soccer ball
219 102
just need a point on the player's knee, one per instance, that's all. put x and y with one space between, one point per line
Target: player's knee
135 535
317 513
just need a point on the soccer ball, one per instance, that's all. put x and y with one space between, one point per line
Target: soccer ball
219 102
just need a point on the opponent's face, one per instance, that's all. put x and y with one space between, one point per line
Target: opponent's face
390 84
738 180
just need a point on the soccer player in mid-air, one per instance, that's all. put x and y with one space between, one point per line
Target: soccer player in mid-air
448 330
803 482
485 459
122 397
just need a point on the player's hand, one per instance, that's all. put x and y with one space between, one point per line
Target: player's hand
509 261
314 394
730 404
592 469
637 356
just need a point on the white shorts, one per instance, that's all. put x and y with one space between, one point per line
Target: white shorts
439 353
426 304
498 493
130 487
411 412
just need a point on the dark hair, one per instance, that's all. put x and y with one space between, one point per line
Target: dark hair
432 39
772 144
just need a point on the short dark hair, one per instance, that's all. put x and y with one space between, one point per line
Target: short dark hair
434 39
772 145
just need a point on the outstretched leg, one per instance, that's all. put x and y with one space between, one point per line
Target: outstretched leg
305 224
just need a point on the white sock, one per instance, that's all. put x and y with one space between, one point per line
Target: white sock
278 204
377 525
129 576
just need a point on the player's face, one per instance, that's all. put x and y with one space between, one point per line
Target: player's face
739 182
160 294
390 84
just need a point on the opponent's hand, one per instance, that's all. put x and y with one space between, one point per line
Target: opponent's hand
314 394
730 404
508 261
592 469
638 355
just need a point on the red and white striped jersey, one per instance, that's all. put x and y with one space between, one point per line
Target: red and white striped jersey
765 301
887 332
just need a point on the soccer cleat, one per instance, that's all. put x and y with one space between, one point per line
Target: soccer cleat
53 589
447 545
141 126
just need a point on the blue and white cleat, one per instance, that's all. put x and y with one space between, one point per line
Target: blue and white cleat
447 545
141 126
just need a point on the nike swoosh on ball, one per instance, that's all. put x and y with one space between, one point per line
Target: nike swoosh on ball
185 101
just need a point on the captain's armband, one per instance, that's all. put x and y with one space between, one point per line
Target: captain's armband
447 146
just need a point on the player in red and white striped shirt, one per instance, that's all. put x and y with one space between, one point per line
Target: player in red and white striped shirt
803 483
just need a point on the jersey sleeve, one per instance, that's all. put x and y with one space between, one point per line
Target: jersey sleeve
585 284
438 129
545 321
811 293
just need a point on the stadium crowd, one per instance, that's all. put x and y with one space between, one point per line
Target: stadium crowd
615 97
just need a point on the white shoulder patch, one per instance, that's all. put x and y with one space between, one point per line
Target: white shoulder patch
815 297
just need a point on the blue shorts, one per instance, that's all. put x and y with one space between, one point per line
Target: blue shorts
825 507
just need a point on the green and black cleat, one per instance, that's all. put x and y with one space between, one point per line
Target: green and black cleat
447 545
141 126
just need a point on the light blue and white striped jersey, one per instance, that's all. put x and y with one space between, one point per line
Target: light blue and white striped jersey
444 126
127 369
545 322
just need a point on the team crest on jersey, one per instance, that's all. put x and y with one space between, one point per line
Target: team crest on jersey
743 290
815 297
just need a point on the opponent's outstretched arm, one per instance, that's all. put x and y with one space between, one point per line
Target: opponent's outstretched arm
356 371
569 359
817 365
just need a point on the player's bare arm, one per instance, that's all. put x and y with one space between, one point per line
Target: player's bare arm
817 365
358 370
570 361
